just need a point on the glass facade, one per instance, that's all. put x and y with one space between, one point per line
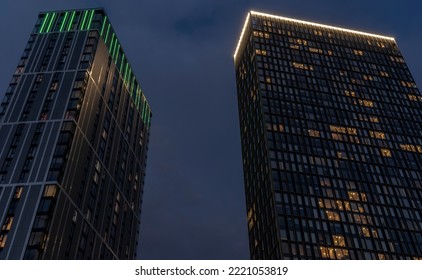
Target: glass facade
331 142
74 128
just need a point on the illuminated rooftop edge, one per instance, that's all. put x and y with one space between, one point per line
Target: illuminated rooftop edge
302 22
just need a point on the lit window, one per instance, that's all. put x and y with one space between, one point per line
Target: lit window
381 256
3 238
385 152
315 50
377 134
353 196
50 191
333 216
350 93
7 224
358 52
342 253
384 74
374 119
365 232
375 233
411 148
18 192
313 133
339 240
412 97
347 206
366 103
344 130
302 66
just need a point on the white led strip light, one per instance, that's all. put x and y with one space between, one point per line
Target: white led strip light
302 22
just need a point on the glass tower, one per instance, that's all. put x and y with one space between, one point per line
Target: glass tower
74 129
331 142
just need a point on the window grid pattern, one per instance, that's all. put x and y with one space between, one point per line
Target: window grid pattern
342 142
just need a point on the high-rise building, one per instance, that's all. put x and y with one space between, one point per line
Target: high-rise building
331 142
74 129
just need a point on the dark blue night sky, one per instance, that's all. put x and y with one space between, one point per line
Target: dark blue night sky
182 53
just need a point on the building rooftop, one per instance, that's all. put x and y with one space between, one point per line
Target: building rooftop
253 13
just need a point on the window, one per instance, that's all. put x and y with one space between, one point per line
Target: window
385 152
50 191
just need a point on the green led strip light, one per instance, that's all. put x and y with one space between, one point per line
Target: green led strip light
83 20
51 22
69 27
108 29
44 22
102 27
90 19
116 53
64 21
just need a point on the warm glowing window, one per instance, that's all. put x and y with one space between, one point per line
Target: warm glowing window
302 66
315 50
411 148
365 232
3 238
366 103
381 256
374 119
341 253
318 32
293 46
385 152
358 52
339 240
347 206
375 233
18 192
275 127
50 191
324 252
261 52
350 93
328 253
7 224
344 130
353 196
341 155
313 133
339 204
384 74
377 134
412 97
408 84
337 136
333 216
